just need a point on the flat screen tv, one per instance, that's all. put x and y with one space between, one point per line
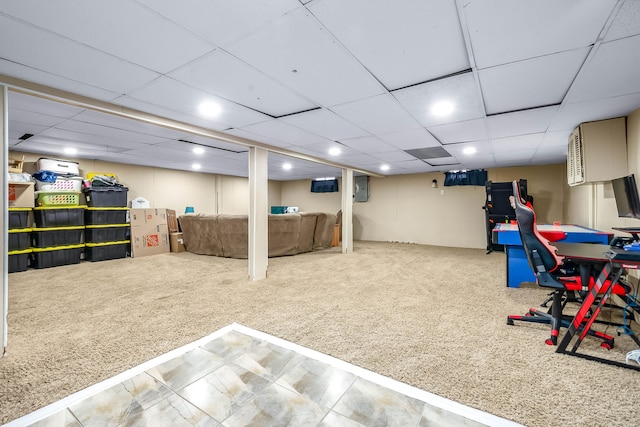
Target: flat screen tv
625 191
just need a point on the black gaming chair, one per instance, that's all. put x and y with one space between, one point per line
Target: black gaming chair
546 265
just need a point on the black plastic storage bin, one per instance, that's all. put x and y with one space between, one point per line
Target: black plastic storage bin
69 216
19 239
18 260
104 216
58 236
19 217
105 251
56 256
106 233
103 197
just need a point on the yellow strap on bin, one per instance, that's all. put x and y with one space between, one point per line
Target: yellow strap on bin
19 230
106 225
20 252
58 248
77 227
120 242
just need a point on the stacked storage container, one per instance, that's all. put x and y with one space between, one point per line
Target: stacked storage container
107 231
57 238
19 239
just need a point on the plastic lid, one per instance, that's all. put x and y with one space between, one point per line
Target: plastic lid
106 225
57 248
120 242
77 227
114 208
20 209
39 208
19 230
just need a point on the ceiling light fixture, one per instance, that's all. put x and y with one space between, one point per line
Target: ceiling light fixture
198 150
287 166
209 109
384 167
70 150
442 108
334 151
469 150
196 166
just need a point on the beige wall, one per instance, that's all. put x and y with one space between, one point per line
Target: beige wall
593 204
172 189
405 208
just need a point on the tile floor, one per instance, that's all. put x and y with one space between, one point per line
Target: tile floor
241 377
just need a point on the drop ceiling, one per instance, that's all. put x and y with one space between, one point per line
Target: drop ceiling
303 77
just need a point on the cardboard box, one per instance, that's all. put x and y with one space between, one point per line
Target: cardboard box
172 221
149 239
21 195
176 242
148 217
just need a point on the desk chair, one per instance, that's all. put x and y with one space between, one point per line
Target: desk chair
550 273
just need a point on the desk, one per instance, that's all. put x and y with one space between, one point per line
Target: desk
518 269
614 262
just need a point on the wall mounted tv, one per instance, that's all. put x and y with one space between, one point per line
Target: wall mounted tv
625 191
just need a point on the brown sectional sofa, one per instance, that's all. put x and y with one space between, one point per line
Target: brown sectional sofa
228 235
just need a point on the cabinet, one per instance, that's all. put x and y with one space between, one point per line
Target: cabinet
597 151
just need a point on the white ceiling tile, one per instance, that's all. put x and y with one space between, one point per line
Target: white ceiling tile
626 22
571 115
324 123
280 131
117 134
514 158
221 21
21 102
301 54
40 49
470 130
98 137
378 114
482 148
459 90
17 130
161 46
550 156
226 76
410 139
177 96
612 71
46 78
477 161
29 117
530 83
505 31
522 143
432 46
394 156
368 144
253 136
413 166
521 122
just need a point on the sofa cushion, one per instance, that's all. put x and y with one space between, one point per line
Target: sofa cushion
234 235
307 231
200 233
284 233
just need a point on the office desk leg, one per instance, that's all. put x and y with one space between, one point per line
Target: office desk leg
604 288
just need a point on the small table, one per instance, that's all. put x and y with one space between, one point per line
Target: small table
518 269
613 261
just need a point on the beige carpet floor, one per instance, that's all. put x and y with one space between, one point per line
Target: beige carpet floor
431 317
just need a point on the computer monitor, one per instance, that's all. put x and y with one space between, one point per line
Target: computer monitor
625 192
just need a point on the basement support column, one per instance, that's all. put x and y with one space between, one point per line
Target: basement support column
4 260
258 210
347 211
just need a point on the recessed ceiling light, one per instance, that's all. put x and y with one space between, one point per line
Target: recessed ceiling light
70 150
286 166
469 150
209 109
384 167
196 166
334 151
198 150
442 108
